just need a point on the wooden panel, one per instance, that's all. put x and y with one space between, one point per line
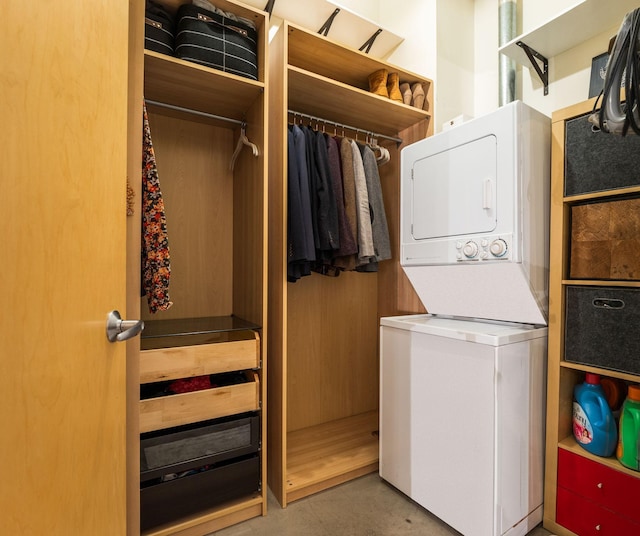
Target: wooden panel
277 371
64 90
332 348
185 408
197 187
189 361
134 143
330 453
349 105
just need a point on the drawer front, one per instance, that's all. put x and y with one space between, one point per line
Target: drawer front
188 361
187 447
611 489
585 518
185 408
169 501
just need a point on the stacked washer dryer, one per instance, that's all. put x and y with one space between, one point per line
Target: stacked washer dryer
462 398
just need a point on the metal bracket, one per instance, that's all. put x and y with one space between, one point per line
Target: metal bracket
324 29
269 7
534 58
367 44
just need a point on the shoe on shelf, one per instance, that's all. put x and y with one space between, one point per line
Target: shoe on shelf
405 90
378 83
417 95
393 87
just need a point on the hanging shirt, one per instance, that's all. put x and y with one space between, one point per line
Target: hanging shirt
366 250
156 268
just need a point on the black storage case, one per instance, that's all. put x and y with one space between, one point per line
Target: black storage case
596 161
601 327
159 28
187 469
216 41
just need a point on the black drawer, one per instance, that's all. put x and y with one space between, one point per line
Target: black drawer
165 502
601 327
596 161
187 447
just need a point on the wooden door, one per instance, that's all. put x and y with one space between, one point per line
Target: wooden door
63 139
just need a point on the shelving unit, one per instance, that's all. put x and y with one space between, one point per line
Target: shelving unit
217 326
595 502
580 22
323 334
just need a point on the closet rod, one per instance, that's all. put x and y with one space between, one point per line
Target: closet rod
194 112
348 127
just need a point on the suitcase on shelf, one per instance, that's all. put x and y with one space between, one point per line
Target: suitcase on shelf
216 41
159 29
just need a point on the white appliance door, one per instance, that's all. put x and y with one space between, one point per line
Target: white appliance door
454 191
453 431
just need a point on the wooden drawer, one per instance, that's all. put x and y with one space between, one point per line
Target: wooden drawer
184 408
611 489
161 359
586 518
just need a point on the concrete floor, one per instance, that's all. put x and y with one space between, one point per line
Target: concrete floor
363 507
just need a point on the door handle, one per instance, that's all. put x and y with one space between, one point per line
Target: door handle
121 330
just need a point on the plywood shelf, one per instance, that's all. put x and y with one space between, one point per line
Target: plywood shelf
349 105
320 455
188 85
571 445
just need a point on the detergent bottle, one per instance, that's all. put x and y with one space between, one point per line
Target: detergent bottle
594 427
628 444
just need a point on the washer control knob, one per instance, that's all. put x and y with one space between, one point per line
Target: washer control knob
470 249
498 248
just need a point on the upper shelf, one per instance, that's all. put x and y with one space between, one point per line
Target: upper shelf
580 22
189 85
308 94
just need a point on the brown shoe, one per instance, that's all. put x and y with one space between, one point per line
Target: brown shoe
405 90
393 87
378 83
417 95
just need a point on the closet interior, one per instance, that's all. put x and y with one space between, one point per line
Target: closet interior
214 334
323 331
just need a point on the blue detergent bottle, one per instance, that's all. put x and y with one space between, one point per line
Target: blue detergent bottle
594 427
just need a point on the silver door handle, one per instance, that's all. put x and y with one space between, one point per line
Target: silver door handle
121 330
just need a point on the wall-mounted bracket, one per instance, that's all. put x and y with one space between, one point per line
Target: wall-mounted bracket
536 58
324 29
369 42
269 7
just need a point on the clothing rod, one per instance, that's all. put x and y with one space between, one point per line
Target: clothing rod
194 112
341 125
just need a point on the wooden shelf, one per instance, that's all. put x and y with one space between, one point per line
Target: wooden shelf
190 85
601 283
224 516
323 56
325 455
576 24
349 105
596 370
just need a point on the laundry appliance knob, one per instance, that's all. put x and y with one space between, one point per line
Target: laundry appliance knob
498 248
470 249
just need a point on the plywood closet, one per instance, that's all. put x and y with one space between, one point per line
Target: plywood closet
323 331
217 229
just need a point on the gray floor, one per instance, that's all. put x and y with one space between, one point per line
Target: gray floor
364 507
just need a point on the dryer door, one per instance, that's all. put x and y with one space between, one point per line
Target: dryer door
454 191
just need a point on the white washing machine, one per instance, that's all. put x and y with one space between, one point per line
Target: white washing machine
463 388
462 409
